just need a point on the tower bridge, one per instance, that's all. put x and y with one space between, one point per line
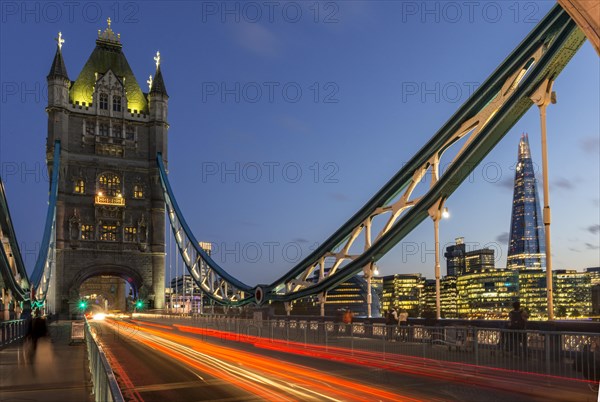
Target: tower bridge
110 191
108 139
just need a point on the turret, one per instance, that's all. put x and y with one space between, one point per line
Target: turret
158 107
58 79
158 96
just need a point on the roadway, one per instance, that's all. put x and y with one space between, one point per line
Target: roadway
162 362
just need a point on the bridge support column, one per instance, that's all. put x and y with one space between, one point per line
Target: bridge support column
288 308
322 297
542 98
6 298
368 274
436 212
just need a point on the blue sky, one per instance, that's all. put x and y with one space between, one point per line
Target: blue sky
285 118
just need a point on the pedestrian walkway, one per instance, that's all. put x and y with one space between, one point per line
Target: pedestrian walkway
58 372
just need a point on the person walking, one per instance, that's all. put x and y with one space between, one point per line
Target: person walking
39 329
517 324
403 325
347 319
391 321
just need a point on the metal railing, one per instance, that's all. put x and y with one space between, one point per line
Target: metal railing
105 387
570 355
11 331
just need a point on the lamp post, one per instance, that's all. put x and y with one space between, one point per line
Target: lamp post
369 271
542 98
437 212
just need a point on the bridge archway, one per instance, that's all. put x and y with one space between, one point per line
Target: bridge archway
111 274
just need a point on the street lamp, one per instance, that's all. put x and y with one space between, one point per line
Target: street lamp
445 213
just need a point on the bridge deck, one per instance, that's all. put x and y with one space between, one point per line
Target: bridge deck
58 372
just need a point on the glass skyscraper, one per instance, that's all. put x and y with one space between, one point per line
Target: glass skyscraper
526 247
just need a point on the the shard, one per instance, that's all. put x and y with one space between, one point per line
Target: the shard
526 247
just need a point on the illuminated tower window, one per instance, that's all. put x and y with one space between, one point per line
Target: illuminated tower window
87 232
79 186
108 233
130 234
103 98
138 191
109 184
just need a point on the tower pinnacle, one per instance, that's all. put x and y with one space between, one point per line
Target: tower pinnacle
157 86
157 59
58 68
59 40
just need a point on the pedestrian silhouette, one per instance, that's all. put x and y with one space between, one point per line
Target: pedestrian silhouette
517 324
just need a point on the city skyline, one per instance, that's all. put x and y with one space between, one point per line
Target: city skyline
324 139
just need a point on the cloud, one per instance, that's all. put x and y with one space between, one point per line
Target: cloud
563 183
593 229
339 197
591 145
299 240
596 202
507 183
502 238
574 249
257 39
590 246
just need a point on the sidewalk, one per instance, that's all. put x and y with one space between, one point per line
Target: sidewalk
59 372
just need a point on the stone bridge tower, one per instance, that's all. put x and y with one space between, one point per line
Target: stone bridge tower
111 210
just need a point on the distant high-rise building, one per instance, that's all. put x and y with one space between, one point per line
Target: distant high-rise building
459 261
455 258
479 260
526 247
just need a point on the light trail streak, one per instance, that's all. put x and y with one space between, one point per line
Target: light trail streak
392 361
266 377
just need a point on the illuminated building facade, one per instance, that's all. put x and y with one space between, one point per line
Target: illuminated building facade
532 292
572 293
428 308
403 292
526 247
448 297
479 260
487 295
594 274
110 213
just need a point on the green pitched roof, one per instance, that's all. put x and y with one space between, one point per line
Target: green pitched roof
108 56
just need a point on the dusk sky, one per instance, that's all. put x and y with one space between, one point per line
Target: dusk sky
286 117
